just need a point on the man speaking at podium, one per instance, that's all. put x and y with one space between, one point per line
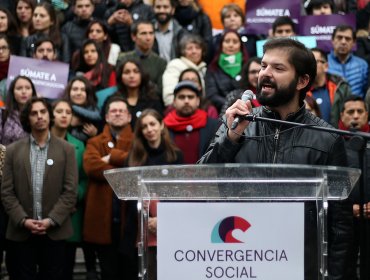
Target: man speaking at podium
288 70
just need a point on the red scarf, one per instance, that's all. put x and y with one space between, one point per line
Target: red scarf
365 128
177 123
4 67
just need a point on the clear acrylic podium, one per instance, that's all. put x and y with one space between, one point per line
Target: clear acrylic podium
234 182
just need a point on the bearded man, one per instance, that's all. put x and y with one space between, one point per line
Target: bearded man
288 70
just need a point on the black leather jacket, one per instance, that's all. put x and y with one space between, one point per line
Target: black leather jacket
296 146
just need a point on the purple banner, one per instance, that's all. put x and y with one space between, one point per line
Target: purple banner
49 77
261 14
322 27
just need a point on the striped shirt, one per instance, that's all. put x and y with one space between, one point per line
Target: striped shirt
38 157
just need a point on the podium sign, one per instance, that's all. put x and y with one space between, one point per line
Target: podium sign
230 241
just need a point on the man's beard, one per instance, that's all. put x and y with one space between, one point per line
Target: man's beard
282 95
163 20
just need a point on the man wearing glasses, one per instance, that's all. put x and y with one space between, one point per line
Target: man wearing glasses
329 90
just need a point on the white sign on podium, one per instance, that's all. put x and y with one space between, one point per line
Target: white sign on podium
230 241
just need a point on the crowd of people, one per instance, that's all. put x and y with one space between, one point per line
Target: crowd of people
149 83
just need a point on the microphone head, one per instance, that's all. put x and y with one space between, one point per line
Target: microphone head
247 95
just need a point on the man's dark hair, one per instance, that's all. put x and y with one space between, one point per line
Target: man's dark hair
313 4
173 3
323 54
299 56
25 113
344 27
113 98
135 26
353 98
282 21
41 41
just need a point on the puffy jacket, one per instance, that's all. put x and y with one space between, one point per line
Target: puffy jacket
296 146
75 31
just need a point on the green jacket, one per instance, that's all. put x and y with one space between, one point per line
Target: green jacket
77 216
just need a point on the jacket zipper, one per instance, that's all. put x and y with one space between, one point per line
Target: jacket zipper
276 140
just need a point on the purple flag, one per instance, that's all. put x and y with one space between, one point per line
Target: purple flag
322 27
49 77
261 14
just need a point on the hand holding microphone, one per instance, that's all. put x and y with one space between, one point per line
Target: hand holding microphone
247 95
234 115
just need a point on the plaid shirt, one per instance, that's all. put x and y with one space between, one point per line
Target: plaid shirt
38 157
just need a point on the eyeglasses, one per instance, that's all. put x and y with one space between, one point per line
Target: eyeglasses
115 111
4 48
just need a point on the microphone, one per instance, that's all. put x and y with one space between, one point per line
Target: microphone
247 95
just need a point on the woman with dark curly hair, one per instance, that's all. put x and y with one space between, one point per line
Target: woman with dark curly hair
134 85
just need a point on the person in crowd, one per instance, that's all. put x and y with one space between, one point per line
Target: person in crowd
142 34
189 124
45 48
9 27
134 85
23 12
190 74
86 119
224 73
93 65
62 117
329 90
191 17
192 54
39 219
152 145
232 18
283 26
97 30
212 9
288 70
248 81
312 106
45 24
167 30
21 90
103 221
75 29
344 63
354 117
5 52
320 7
122 16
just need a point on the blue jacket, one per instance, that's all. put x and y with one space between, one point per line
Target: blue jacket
354 70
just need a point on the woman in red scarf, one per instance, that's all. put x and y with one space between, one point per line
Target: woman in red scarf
93 65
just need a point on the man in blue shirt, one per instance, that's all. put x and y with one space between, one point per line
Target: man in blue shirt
343 63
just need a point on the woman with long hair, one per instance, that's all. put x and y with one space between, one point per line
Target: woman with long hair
9 27
152 145
134 85
45 24
93 65
5 53
86 119
97 30
62 118
24 12
21 90
224 73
